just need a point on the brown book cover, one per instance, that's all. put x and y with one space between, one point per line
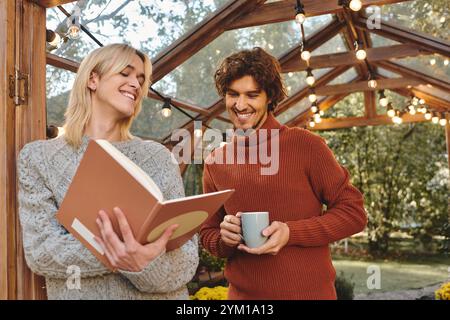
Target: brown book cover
106 178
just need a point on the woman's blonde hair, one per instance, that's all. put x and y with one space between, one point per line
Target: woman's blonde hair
110 59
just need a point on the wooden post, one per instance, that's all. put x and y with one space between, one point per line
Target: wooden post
447 138
22 49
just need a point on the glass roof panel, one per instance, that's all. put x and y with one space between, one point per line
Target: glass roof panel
387 73
435 65
148 26
379 41
294 111
334 45
345 77
193 80
427 16
350 106
59 83
150 123
220 125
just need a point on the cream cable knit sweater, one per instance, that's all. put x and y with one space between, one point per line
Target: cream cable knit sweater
45 170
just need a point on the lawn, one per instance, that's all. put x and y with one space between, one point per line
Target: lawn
395 275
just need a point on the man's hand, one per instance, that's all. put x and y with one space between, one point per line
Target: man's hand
230 230
128 255
278 233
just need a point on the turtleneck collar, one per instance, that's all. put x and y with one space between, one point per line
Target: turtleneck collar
270 124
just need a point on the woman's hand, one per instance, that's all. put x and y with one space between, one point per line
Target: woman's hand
128 255
278 233
230 230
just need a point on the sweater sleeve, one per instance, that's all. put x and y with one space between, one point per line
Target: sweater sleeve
49 249
210 236
174 269
345 214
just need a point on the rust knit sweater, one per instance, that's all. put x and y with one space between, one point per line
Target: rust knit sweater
308 176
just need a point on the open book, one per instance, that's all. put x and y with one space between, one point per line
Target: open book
106 178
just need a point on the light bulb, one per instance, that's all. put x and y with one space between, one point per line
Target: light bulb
321 112
384 102
312 124
166 112
442 121
74 32
390 111
412 111
56 42
421 101
310 80
428 115
372 84
300 18
306 55
312 97
314 109
355 5
446 62
317 119
361 54
435 119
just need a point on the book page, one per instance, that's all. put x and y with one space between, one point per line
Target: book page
133 169
204 195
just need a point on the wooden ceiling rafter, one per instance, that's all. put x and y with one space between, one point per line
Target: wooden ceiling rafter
196 39
404 35
284 11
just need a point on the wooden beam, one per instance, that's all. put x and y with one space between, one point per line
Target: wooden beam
349 58
51 3
7 156
437 104
62 63
313 42
414 74
189 44
401 34
284 11
341 123
362 86
287 103
324 104
370 104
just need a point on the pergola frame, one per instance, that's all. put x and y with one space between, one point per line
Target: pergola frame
22 52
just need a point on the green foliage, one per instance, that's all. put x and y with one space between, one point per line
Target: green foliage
402 172
210 262
344 287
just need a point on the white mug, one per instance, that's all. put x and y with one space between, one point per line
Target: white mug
253 223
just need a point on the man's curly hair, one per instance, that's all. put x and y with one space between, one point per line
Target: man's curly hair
263 67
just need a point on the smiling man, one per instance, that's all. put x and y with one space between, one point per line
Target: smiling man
295 262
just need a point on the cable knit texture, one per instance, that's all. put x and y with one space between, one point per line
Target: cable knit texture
308 176
45 170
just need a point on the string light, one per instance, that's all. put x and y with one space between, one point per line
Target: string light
53 38
383 100
435 118
310 77
312 96
317 118
354 5
312 124
372 83
166 109
314 107
300 13
74 28
428 115
397 119
360 52
390 110
442 120
305 55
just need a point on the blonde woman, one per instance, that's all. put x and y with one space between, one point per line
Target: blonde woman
105 98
